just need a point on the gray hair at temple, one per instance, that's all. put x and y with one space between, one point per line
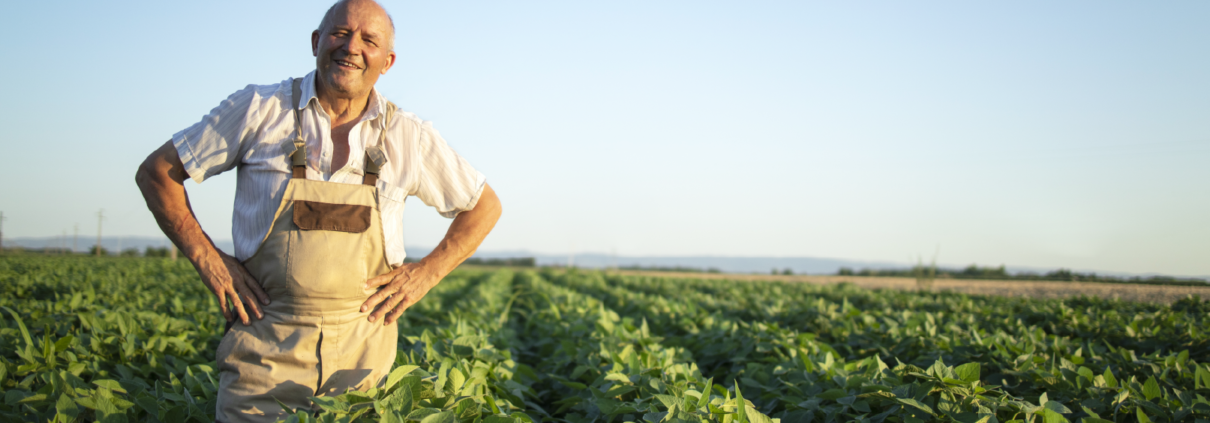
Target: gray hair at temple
327 20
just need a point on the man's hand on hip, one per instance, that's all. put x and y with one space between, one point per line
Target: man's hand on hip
400 289
407 284
236 289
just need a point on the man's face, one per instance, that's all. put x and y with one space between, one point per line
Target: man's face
354 49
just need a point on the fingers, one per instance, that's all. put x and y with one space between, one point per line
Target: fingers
247 298
375 299
387 306
254 286
396 278
222 305
238 305
398 310
380 280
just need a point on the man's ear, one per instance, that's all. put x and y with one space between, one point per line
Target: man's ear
315 43
390 62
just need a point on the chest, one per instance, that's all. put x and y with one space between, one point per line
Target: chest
335 151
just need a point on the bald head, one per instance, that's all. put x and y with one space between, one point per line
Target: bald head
353 46
344 6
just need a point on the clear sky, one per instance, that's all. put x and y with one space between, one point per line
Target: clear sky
1050 134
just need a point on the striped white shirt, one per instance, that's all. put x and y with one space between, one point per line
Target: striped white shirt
250 129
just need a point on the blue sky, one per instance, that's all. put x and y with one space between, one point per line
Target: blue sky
1025 133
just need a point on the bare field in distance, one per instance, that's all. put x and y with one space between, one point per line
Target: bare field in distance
1164 294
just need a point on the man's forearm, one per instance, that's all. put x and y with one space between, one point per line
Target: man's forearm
465 234
162 183
161 180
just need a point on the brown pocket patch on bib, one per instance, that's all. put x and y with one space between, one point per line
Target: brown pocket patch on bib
316 216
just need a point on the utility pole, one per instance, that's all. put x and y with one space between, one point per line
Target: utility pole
75 240
100 216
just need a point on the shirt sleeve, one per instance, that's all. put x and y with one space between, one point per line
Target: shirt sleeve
213 145
446 181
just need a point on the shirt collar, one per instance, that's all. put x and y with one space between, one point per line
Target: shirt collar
377 103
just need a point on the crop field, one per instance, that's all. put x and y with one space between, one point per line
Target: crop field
113 340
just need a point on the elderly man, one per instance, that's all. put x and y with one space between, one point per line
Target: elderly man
324 164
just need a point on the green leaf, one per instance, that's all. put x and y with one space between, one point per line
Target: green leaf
832 394
1151 388
522 417
1203 376
1142 416
619 390
968 372
573 385
1052 416
669 401
917 404
67 408
391 417
1109 379
442 417
1055 406
21 325
618 377
1085 373
109 384
401 401
756 416
420 414
740 406
655 417
442 378
491 403
331 404
705 398
398 374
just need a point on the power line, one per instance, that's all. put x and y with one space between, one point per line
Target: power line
100 216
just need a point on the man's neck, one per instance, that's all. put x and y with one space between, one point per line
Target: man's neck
342 108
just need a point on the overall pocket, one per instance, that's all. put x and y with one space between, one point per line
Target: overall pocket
326 255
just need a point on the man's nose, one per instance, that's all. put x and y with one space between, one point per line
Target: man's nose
355 44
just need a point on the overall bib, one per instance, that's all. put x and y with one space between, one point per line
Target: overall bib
325 242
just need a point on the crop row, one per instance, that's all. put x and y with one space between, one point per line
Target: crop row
133 340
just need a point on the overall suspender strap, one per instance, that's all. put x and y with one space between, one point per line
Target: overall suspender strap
374 155
298 160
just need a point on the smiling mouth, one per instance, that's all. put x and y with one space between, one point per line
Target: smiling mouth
347 64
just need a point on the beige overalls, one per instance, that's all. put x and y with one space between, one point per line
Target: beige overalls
325 242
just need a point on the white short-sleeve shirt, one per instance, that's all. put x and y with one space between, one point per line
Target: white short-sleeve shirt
250 129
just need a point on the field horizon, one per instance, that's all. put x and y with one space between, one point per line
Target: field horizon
599 260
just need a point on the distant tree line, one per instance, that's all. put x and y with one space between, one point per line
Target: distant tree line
681 269
163 252
999 273
515 261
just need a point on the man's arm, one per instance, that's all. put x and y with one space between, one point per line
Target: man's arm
409 283
161 179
